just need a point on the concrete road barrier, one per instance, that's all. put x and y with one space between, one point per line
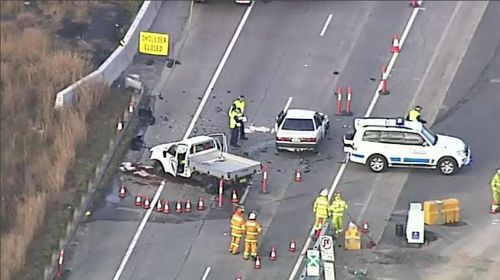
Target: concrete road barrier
120 59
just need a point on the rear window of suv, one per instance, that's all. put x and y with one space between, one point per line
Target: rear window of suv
298 124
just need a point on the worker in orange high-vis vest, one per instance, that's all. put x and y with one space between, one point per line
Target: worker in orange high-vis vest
252 230
237 225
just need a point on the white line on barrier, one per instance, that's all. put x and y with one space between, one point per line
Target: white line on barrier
323 31
186 135
205 275
138 232
218 70
343 166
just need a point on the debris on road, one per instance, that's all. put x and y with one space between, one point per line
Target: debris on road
140 170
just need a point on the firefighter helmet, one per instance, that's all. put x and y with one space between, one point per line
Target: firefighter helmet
252 216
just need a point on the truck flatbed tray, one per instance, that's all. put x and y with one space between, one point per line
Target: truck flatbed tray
223 164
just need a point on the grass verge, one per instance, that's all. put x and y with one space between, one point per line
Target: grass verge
46 155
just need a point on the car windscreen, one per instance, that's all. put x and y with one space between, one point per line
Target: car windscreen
298 124
431 136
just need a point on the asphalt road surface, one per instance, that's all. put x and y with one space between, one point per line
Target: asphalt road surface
279 54
460 92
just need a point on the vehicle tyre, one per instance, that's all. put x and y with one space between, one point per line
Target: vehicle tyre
377 163
447 166
278 149
158 168
211 188
328 125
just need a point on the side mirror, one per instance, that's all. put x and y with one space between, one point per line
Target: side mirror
425 144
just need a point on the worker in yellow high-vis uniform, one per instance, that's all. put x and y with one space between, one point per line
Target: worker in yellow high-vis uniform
240 104
237 225
235 124
252 230
320 209
495 189
337 212
415 115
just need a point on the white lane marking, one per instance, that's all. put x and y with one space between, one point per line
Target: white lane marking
138 232
188 132
368 199
343 166
218 70
323 31
205 275
244 196
309 240
393 58
436 52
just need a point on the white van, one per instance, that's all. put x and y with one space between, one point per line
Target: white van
395 142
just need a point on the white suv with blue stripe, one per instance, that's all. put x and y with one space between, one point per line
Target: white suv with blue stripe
382 142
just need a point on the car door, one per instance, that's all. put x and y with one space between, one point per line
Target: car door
419 151
320 127
170 163
179 163
221 140
392 145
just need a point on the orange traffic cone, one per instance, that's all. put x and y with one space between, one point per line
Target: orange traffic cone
272 256
138 200
293 246
493 207
123 191
257 263
201 204
146 203
178 207
159 206
234 197
395 44
365 228
298 175
188 206
166 209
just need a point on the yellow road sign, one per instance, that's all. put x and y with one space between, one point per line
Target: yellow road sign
153 43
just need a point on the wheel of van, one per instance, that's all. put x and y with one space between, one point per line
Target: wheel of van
377 163
447 166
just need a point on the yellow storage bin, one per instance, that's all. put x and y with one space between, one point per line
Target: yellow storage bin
432 212
451 204
451 216
439 212
352 238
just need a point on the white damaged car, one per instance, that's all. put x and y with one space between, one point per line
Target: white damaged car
300 130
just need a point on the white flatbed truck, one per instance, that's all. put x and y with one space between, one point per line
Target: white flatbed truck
204 159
